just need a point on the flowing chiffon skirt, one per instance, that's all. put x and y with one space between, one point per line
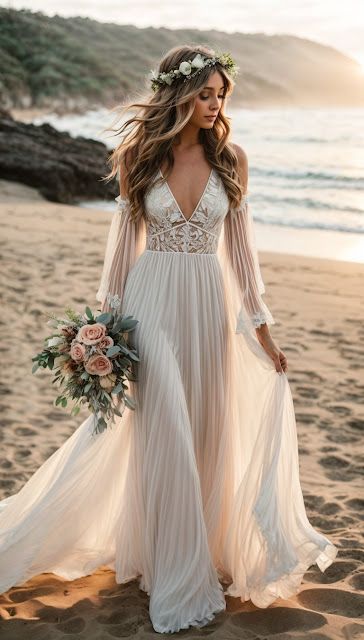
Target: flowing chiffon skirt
196 493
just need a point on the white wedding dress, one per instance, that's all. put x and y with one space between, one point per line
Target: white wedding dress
195 493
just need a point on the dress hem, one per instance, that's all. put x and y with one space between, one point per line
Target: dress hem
289 582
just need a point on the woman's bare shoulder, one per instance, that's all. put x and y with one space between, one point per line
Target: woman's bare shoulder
243 164
241 154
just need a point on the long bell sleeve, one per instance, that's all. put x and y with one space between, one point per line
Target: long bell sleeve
243 257
124 244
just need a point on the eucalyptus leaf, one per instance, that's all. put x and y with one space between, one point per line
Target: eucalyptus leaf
129 401
133 356
118 325
128 324
89 313
105 318
113 350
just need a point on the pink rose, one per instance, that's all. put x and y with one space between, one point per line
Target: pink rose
99 365
106 342
91 333
77 351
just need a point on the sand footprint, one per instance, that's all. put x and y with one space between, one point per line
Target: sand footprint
335 601
73 625
278 620
335 572
23 595
353 631
357 581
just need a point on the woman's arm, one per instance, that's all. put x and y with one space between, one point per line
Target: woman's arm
243 256
123 246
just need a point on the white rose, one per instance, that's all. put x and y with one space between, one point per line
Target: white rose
165 77
198 61
53 342
185 68
168 80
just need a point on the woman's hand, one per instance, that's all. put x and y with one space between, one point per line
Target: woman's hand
269 346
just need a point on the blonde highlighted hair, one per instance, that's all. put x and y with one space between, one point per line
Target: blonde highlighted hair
147 137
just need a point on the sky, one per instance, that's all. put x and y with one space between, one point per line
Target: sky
336 23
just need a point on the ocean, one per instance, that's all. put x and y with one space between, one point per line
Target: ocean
306 174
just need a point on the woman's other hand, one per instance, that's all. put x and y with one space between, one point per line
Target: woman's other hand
272 349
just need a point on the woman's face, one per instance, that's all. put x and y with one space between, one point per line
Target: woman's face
208 102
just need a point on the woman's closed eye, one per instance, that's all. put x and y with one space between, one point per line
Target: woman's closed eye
207 97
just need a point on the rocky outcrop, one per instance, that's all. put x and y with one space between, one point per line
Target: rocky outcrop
62 168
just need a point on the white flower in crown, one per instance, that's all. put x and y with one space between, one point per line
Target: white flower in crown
198 61
185 68
166 78
189 68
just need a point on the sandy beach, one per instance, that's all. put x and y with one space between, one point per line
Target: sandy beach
52 256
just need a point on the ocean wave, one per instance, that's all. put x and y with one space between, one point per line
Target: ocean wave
306 203
340 181
307 224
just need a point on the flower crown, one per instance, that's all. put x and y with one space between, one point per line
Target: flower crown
190 68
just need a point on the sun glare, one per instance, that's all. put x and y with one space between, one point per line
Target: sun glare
360 60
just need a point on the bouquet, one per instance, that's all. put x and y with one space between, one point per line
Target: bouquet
92 360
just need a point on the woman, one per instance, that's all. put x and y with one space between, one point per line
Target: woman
196 492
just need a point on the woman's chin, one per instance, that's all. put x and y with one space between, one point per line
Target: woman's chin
208 125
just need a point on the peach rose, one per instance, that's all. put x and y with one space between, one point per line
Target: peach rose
108 382
99 365
91 333
77 351
106 342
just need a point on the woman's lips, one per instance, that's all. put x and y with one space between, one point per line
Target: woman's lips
210 117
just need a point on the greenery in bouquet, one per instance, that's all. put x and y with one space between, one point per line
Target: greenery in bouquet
92 361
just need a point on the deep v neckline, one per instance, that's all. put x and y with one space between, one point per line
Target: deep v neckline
199 202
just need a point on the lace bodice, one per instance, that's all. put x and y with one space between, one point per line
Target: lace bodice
169 230
165 228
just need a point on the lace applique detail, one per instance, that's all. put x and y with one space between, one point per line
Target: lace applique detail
257 319
169 230
122 205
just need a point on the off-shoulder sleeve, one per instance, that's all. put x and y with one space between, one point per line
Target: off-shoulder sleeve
124 244
243 257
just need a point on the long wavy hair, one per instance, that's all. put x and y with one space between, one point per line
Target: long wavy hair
148 136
